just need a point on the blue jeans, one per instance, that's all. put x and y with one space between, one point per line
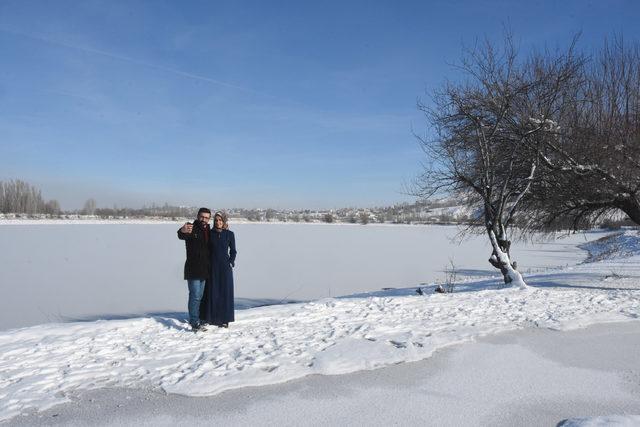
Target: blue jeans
196 289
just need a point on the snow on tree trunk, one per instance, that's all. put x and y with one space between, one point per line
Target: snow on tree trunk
500 259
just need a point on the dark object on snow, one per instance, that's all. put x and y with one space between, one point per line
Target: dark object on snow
440 290
419 291
199 328
197 264
217 306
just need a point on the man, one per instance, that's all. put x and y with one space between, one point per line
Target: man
196 268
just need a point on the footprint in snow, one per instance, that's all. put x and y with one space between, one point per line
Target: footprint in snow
398 344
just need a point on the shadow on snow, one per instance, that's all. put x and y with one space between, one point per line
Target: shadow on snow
178 319
174 319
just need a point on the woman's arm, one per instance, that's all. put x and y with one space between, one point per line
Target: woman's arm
232 249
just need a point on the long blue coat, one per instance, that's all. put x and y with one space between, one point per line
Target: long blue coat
217 306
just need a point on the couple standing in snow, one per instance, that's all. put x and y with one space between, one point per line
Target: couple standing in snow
211 256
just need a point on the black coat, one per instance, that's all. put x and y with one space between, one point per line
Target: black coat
217 305
198 263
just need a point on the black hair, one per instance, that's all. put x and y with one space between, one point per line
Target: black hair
204 210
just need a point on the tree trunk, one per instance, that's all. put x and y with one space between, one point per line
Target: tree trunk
500 260
631 207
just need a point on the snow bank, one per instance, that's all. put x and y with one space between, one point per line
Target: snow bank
618 245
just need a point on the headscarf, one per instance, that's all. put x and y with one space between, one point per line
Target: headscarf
225 218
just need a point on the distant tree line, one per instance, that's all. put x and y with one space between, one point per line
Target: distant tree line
165 211
20 197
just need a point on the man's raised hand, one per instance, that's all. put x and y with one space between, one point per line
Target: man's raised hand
187 228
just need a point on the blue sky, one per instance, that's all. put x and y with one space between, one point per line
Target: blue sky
244 104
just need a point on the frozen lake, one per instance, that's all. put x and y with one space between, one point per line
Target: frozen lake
59 272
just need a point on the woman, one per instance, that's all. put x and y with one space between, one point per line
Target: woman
217 302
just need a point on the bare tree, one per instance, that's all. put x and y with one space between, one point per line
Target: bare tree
591 164
89 207
270 214
489 130
4 200
17 196
364 218
52 207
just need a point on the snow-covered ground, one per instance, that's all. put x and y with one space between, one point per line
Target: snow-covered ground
526 377
53 272
42 366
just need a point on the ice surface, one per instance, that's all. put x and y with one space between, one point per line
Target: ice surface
69 271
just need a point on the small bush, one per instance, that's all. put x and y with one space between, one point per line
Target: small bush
450 277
